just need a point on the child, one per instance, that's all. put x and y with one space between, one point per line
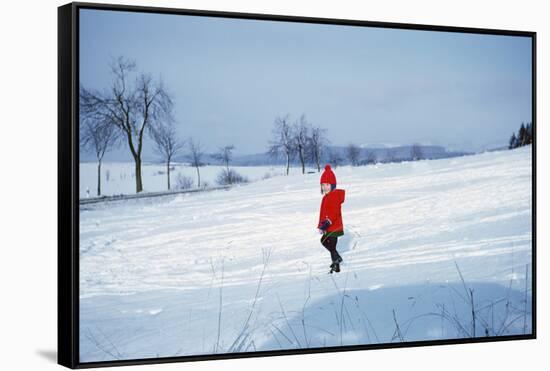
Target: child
330 216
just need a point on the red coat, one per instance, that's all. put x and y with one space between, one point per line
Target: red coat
331 208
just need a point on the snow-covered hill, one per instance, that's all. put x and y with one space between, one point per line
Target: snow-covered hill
243 269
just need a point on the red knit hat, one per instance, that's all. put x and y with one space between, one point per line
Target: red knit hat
328 176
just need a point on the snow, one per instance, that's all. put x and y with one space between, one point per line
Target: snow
243 269
119 177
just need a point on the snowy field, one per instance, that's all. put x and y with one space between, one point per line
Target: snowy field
119 177
242 270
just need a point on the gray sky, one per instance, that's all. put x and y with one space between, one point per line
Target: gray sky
230 78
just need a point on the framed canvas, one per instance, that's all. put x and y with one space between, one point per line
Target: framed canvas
243 185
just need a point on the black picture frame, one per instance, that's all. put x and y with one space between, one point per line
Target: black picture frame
68 181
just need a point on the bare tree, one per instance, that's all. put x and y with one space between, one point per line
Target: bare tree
130 106
316 145
282 143
225 155
416 152
300 138
353 152
97 137
196 152
167 144
334 157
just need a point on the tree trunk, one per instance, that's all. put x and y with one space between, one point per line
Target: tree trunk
199 178
287 163
318 160
99 178
168 172
139 183
302 161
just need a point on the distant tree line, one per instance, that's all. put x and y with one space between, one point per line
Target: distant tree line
303 141
360 157
523 138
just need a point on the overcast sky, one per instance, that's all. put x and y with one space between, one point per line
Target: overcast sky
230 78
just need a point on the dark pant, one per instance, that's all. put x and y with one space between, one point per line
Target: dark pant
330 244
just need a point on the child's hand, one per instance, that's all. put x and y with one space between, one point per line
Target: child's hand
325 224
320 231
